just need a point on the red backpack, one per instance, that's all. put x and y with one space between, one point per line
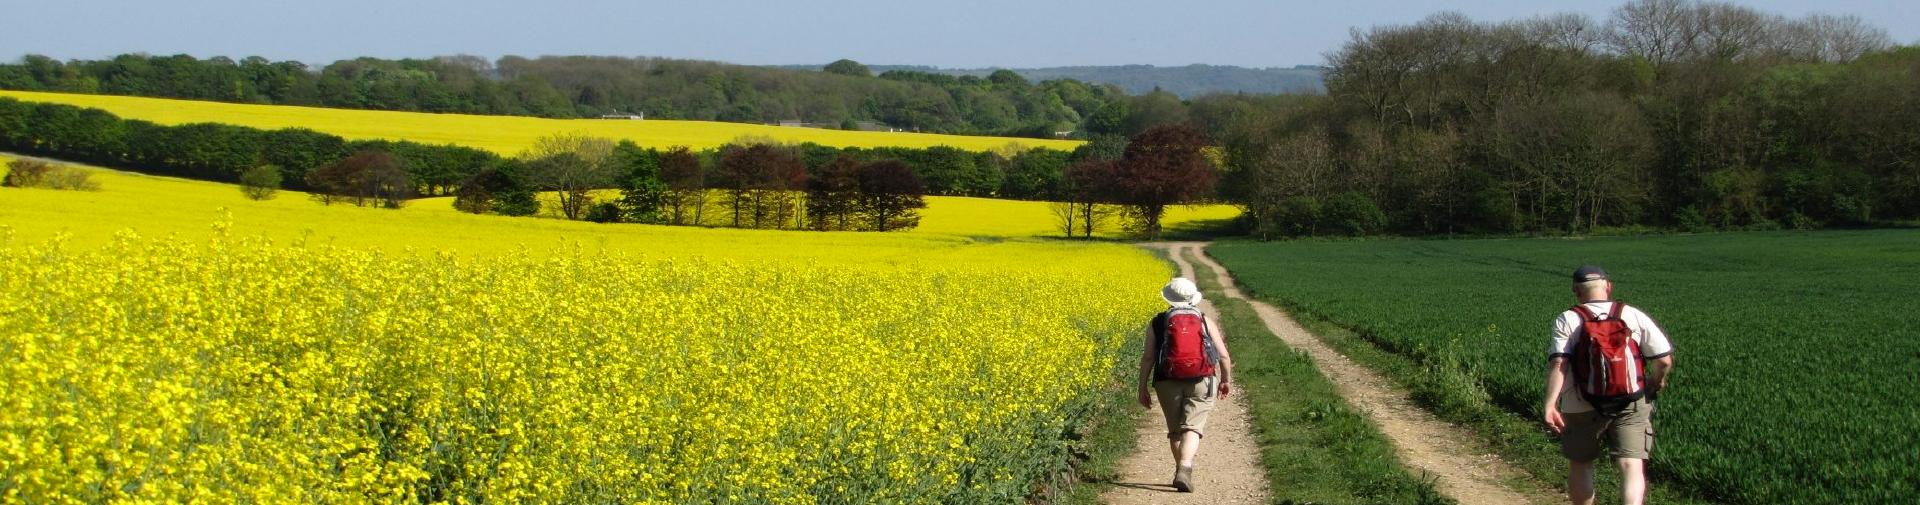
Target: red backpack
1186 347
1608 368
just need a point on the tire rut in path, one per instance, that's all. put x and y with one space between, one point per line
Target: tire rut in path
1226 471
1426 444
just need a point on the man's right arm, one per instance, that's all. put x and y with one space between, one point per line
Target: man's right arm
1557 373
1556 380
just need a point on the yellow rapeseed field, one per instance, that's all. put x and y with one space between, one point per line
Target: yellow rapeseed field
989 217
947 215
286 352
506 135
157 205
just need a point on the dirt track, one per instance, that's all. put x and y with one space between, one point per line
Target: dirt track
1424 443
1227 470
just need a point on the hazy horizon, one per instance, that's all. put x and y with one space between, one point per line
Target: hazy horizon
983 34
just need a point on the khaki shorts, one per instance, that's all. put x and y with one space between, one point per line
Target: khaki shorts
1630 433
1186 403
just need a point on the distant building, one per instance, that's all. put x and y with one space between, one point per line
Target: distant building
865 126
873 126
1063 134
623 115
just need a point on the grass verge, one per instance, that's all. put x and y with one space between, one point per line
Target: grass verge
1316 448
1106 438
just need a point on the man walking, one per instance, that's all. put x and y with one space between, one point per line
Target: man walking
1608 362
1186 359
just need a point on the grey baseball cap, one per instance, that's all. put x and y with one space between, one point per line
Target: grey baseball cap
1589 273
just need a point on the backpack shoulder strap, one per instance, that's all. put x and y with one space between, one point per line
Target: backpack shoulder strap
1619 307
1587 315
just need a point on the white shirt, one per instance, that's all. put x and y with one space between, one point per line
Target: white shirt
1653 343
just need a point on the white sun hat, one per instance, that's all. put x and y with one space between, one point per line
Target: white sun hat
1181 292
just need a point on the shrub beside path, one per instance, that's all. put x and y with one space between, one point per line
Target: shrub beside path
1448 453
1227 470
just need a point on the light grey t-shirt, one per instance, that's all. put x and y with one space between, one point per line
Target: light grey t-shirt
1653 343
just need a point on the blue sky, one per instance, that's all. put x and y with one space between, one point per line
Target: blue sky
976 33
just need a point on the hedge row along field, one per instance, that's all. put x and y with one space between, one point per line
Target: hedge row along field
504 135
1797 360
948 215
158 205
301 353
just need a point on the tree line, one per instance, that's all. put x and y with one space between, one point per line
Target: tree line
1674 114
750 184
589 86
1671 113
762 183
219 152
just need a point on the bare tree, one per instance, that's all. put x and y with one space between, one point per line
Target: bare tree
1403 74
1731 32
1065 216
1565 31
1660 31
1085 209
1821 37
572 165
1298 164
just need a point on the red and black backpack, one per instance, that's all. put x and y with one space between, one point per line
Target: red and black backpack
1608 367
1186 347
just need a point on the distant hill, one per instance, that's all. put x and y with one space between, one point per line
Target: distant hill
1187 81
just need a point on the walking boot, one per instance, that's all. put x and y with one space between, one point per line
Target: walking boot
1183 479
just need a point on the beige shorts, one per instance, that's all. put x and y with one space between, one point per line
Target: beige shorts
1186 403
1630 433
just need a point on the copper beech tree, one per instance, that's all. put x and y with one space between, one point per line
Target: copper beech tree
1165 165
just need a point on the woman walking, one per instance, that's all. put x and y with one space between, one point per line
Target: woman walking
1187 363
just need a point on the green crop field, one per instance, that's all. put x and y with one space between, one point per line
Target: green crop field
1797 359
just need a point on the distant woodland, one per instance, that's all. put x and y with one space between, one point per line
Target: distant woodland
589 86
1671 114
1187 81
